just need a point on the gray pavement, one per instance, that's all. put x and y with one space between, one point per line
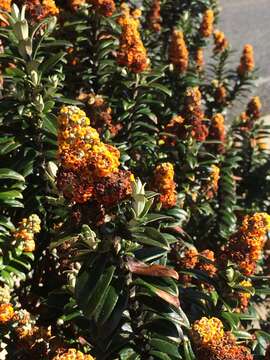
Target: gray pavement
248 21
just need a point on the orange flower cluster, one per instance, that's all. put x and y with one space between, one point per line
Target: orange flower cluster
245 246
6 313
247 63
40 9
254 108
178 52
194 115
221 42
204 265
26 231
104 7
217 133
212 185
76 4
100 113
214 344
199 59
87 161
5 5
220 94
174 127
244 296
154 16
207 24
49 8
132 52
72 354
164 184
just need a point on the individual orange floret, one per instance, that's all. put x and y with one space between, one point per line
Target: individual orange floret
6 313
154 16
207 24
178 52
207 331
217 133
247 63
72 354
245 246
221 42
164 184
132 52
104 7
199 59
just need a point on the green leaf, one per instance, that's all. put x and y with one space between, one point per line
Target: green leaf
10 174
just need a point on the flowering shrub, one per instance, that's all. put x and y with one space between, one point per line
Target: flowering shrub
134 210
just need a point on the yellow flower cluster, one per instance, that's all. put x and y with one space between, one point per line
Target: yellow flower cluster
165 185
221 42
73 354
81 147
6 313
207 331
154 16
245 246
178 52
207 24
26 231
104 7
247 63
132 52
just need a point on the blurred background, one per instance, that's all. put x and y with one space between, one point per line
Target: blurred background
248 21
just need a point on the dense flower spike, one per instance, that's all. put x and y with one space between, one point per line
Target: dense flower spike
245 246
254 108
132 52
207 331
104 7
89 168
247 63
154 16
220 94
178 52
6 313
208 267
26 231
164 184
217 133
194 115
221 42
174 127
206 28
199 59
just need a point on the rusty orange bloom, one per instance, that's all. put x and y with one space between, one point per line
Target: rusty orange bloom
247 63
220 94
132 52
254 108
206 266
164 184
193 114
245 246
76 4
154 16
72 354
104 7
244 296
221 42
6 313
178 52
199 59
217 133
50 8
207 24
